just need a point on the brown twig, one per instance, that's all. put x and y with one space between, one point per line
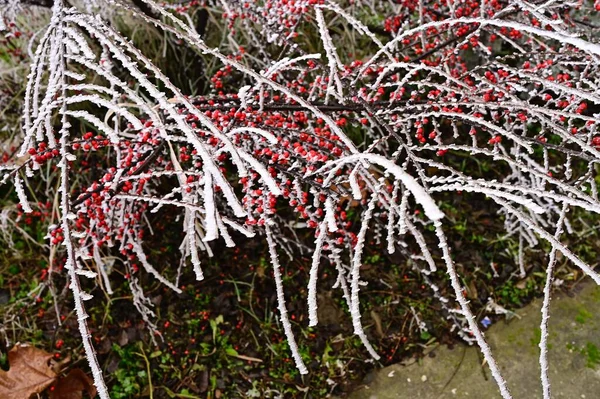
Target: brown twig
142 168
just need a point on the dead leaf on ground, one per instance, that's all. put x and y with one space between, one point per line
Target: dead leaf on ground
472 290
378 326
73 385
105 346
203 381
123 338
30 373
522 284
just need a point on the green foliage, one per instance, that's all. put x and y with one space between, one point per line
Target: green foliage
130 374
583 315
590 351
511 295
592 354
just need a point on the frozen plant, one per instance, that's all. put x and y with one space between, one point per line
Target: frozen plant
291 130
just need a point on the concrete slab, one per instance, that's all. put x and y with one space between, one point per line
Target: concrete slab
574 356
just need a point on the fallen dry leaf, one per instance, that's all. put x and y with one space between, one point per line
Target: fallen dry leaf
30 373
73 385
378 326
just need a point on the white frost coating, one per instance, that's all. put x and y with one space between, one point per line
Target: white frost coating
102 33
112 135
314 273
229 243
194 39
546 309
353 178
243 96
403 213
471 320
131 94
262 171
86 273
521 256
287 327
160 201
143 305
390 225
75 76
34 79
330 215
548 237
526 202
582 44
236 226
355 282
334 62
101 266
96 99
82 44
57 51
341 280
173 123
21 194
589 204
359 26
556 86
430 208
287 61
415 68
85 296
190 221
212 232
266 134
422 244
139 253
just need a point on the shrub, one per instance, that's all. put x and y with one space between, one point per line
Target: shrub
310 111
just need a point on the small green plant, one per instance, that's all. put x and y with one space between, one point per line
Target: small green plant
511 295
130 375
583 315
590 351
592 354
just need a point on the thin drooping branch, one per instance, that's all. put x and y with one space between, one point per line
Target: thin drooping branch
546 307
287 327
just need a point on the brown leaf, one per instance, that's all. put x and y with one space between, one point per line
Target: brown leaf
472 290
203 381
30 373
123 338
73 385
377 320
260 271
522 284
105 346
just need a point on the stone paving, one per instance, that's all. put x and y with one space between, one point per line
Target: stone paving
574 356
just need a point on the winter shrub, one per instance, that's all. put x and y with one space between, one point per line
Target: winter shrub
308 110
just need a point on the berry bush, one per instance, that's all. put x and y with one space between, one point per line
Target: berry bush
352 121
